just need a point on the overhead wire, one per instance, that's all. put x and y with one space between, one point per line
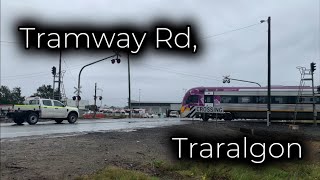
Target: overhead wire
226 32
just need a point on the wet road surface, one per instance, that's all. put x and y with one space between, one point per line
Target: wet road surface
11 130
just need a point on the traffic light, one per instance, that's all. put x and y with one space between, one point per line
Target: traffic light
313 66
54 70
114 60
226 80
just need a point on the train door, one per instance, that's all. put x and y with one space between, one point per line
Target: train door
209 98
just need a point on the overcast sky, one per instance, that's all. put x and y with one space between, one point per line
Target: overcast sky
164 76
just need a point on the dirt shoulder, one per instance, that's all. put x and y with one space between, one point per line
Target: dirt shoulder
73 156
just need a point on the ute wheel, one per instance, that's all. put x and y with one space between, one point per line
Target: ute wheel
59 121
72 118
33 118
18 121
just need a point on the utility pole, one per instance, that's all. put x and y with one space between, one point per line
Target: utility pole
139 99
95 100
59 81
269 70
129 86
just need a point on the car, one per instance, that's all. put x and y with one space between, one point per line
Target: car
174 114
36 108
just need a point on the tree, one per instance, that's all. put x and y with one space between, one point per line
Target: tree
10 97
16 95
45 91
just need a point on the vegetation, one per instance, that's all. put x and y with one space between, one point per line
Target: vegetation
8 96
203 171
13 96
45 91
118 174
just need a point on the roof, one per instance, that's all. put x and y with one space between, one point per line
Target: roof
156 102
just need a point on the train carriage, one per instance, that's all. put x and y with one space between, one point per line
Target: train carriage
251 102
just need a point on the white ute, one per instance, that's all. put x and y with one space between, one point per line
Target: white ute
36 108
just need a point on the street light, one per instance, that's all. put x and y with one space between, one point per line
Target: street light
78 90
269 69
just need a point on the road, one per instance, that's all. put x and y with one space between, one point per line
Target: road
50 128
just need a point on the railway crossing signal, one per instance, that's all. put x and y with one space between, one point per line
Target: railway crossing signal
313 67
76 97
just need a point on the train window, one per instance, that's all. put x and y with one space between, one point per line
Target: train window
261 99
291 100
277 100
245 99
192 99
226 99
306 100
208 99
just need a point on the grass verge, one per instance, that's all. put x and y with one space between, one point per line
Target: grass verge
203 171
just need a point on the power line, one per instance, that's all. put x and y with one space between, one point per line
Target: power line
181 73
40 73
201 75
238 29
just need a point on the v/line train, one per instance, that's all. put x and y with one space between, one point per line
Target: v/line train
251 102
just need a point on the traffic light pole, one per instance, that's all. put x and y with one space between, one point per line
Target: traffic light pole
269 72
53 86
95 100
78 90
313 102
227 78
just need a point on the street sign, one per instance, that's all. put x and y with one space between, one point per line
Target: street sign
76 90
194 110
208 109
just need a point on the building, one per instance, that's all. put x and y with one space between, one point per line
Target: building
156 107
